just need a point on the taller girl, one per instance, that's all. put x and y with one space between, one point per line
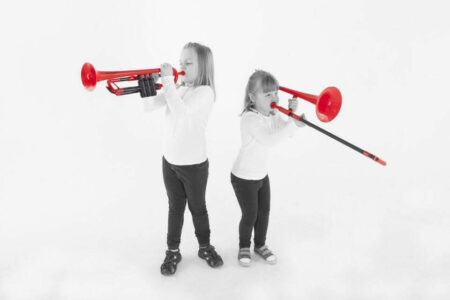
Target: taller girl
185 163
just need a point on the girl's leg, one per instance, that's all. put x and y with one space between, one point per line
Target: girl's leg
262 221
195 178
177 204
247 195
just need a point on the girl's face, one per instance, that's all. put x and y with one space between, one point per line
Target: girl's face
263 100
189 64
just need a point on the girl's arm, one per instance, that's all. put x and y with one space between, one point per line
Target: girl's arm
204 95
280 124
154 103
269 136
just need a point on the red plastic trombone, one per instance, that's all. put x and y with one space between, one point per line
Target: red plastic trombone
297 117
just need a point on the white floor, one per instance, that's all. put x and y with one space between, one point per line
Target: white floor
331 246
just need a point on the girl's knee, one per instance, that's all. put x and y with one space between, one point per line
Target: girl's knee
249 218
198 211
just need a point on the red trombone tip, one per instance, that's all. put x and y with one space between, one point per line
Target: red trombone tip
382 162
374 158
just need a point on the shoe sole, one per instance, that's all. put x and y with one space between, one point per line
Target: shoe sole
273 262
244 264
168 274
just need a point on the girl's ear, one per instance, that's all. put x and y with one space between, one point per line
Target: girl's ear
252 97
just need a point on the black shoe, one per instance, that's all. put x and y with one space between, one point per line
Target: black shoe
210 255
169 266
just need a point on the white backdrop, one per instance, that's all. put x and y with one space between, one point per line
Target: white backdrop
83 209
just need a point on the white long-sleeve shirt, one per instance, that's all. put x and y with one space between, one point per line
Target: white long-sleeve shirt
187 113
258 134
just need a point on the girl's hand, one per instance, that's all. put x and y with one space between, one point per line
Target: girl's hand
293 104
300 123
166 70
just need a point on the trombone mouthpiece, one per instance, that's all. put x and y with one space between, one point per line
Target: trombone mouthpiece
273 104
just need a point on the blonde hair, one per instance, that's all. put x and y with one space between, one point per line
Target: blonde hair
259 79
205 60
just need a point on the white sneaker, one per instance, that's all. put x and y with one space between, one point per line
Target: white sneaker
244 257
265 253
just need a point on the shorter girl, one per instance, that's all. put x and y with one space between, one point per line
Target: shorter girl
261 128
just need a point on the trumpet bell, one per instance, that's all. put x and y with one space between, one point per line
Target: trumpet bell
89 76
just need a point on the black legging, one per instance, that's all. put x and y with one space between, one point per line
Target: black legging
186 183
254 199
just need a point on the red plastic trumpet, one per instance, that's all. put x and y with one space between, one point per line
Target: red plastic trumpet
328 103
297 117
90 77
